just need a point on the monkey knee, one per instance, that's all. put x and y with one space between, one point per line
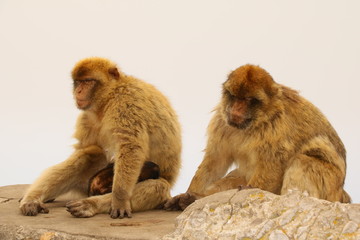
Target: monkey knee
319 179
149 194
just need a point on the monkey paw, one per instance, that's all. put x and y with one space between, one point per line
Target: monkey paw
81 208
32 208
120 209
180 202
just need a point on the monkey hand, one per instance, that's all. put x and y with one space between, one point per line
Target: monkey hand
120 208
180 202
32 208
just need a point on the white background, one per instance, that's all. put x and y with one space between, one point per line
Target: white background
186 49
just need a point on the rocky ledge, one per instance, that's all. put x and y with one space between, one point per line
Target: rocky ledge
246 214
58 224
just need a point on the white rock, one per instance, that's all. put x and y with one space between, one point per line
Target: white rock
255 214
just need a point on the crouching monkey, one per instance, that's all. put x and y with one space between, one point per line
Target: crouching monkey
124 121
277 140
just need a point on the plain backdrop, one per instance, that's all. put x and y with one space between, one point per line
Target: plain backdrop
186 49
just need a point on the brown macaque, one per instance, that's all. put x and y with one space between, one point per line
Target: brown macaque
276 139
101 182
124 121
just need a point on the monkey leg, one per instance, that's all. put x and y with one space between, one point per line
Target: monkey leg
150 194
72 174
146 195
231 181
320 178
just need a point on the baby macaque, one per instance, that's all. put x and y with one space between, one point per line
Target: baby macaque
101 182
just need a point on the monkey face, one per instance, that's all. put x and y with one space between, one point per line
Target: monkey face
246 96
84 91
89 76
240 112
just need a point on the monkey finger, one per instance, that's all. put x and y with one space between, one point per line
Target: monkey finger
114 213
172 203
186 200
128 213
43 209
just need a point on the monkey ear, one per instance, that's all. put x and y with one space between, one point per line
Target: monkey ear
114 73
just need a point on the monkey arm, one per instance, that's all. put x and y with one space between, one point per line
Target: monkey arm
270 180
59 179
211 169
130 157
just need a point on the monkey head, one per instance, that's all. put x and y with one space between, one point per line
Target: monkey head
90 76
248 96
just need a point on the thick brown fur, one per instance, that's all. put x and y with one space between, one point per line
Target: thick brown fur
277 140
124 121
101 183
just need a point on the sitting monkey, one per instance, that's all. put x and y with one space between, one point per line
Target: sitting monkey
277 140
123 121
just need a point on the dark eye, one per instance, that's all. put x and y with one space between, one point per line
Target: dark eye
252 101
76 83
83 81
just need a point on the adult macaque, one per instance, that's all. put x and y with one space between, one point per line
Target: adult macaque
102 181
124 121
277 140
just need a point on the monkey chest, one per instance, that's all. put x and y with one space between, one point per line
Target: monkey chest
246 163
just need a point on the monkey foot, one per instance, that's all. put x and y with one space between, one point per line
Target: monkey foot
81 208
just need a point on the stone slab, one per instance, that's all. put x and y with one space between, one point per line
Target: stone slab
58 224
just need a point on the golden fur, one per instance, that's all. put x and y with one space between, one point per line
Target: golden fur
125 121
289 144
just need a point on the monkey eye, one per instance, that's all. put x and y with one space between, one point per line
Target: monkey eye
253 100
86 81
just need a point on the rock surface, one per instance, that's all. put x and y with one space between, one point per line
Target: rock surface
60 225
247 214
255 214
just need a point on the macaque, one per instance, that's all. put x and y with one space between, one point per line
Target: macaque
102 181
276 139
123 121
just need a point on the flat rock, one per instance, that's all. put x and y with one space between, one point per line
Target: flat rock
58 224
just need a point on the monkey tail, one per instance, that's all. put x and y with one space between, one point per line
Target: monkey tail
345 197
